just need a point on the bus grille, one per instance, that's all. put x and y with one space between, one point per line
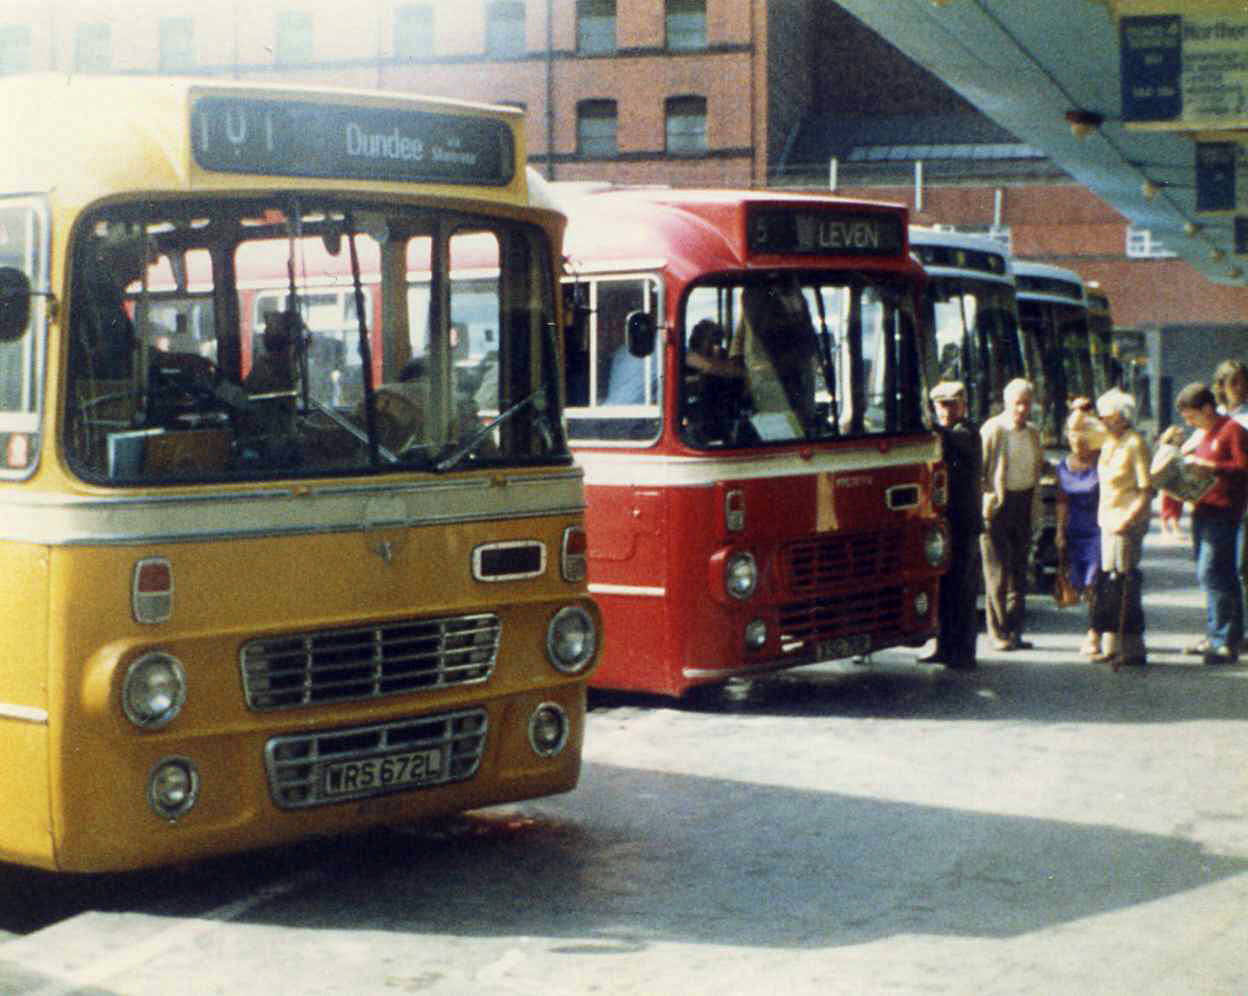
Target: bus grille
368 662
817 563
876 611
306 769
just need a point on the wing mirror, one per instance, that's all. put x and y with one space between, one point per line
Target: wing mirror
640 328
14 303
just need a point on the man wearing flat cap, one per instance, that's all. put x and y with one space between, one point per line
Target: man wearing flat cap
955 646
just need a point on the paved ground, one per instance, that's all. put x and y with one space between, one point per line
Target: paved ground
1041 825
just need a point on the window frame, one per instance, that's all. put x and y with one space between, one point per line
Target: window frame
675 109
415 31
177 54
505 28
37 265
598 413
93 47
15 48
679 38
593 24
294 38
597 146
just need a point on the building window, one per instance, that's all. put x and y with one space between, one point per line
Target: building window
93 48
15 49
686 126
294 38
686 24
595 129
413 31
595 26
177 54
504 27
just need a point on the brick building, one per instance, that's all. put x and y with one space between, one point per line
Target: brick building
682 92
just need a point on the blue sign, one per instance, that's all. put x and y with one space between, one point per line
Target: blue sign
1151 64
1215 176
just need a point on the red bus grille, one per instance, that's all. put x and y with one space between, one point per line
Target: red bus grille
815 564
877 612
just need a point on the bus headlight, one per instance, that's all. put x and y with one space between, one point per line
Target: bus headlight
740 575
935 545
755 634
154 690
173 787
571 639
548 729
921 604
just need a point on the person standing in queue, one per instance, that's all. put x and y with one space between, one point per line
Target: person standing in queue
1216 518
1013 463
955 646
1123 511
1230 387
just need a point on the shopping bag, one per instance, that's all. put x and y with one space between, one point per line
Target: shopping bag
1064 593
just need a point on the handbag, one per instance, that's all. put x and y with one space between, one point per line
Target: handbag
1064 593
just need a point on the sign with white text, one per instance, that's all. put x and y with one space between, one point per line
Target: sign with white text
1184 70
298 138
795 230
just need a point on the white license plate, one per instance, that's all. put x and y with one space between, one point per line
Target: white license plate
376 774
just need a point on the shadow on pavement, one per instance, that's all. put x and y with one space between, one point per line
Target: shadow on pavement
679 858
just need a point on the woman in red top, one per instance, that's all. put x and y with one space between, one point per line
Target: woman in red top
1215 520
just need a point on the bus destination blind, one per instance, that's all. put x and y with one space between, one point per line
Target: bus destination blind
797 231
292 138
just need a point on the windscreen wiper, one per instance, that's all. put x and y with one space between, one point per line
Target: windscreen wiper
458 454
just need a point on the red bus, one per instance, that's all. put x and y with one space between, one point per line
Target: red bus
745 395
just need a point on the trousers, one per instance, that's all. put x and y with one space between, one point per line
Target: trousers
1006 549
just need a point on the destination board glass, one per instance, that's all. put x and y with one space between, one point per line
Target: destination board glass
299 138
803 231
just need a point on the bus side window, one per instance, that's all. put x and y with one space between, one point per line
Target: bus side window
629 379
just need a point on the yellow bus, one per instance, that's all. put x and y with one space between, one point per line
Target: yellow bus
323 578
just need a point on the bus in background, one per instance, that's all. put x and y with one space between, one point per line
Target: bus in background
1106 372
745 396
243 607
972 313
1057 351
1135 376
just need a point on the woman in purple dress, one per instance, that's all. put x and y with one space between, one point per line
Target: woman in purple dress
1078 494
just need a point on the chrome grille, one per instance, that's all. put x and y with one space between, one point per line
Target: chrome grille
298 765
817 563
368 662
876 611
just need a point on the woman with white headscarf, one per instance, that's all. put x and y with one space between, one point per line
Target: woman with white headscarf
1125 505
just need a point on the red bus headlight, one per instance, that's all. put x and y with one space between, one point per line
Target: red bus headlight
740 575
935 545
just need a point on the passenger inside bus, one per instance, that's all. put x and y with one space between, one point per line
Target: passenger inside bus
268 419
776 342
713 383
104 335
